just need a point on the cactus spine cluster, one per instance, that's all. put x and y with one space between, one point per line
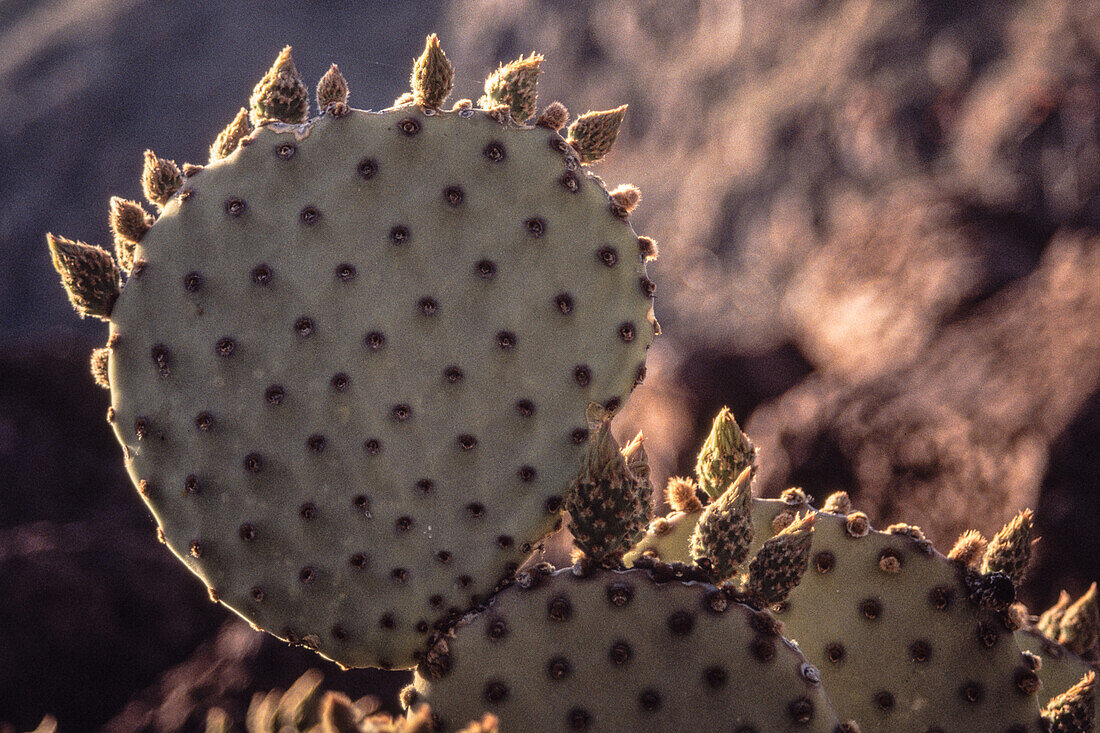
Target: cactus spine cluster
362 363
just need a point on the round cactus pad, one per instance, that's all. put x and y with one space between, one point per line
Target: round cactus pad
351 366
618 651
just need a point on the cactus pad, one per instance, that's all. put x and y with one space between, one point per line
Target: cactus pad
619 651
899 642
351 366
1060 669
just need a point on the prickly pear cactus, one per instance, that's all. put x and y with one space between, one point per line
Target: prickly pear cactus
905 639
351 363
619 651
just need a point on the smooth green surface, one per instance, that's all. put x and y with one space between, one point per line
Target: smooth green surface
439 261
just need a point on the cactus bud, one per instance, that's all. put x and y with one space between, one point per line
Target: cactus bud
89 274
725 454
160 179
778 566
432 75
969 549
1078 629
626 197
682 494
604 503
553 117
1075 709
638 462
332 89
280 94
514 85
129 222
593 133
724 532
1050 622
1009 551
229 138
99 366
838 503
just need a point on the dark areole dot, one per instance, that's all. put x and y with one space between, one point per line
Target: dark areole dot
139 268
552 504
247 532
285 151
824 561
160 358
763 648
620 653
582 375
225 346
443 556
570 181
526 474
452 374
196 549
425 485
361 503
578 718
401 412
475 510
870 608
386 621
310 215
204 421
626 332
613 404
435 601
495 692
141 427
579 436
564 303
253 463
525 408
427 306
345 272
304 326
639 375
374 340
274 394
834 652
486 269
619 594
372 446
399 574
308 510
494 151
681 623
358 561
453 195
559 608
536 227
235 206
192 281
191 484
404 524
648 286
340 382
506 340
649 700
339 632
466 442
261 274
609 256
465 581
399 235
257 594
367 168
558 668
316 443
496 629
307 574
920 651
409 126
971 692
987 635
505 541
715 677
884 700
802 710
422 626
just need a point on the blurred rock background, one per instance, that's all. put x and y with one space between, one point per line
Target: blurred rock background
880 234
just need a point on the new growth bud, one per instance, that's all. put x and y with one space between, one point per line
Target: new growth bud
332 89
160 179
229 138
514 85
838 503
554 116
1074 710
129 222
432 75
682 495
725 454
280 95
593 133
1079 626
89 274
969 549
1009 551
724 532
778 567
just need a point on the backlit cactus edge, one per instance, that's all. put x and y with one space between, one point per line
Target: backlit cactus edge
362 363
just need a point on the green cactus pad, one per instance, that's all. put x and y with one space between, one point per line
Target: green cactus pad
351 366
1060 669
900 646
618 651
668 538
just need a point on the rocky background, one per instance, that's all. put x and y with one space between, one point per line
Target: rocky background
880 234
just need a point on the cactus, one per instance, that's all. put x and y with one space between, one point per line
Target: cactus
351 365
627 650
